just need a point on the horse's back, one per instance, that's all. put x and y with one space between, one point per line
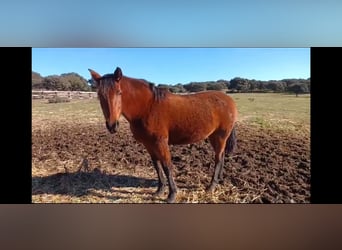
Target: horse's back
223 107
212 103
193 117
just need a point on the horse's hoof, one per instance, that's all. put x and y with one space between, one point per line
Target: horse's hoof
211 188
159 192
171 198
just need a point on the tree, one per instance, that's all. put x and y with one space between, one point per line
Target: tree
298 88
52 83
224 82
178 88
240 84
195 86
74 82
276 86
253 85
65 82
164 86
216 86
37 80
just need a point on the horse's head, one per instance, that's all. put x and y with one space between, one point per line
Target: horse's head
109 93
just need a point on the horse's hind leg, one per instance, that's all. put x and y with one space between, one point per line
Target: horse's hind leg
218 142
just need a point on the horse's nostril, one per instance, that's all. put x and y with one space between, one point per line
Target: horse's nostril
107 126
113 128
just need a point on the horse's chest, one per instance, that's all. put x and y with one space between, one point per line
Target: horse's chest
140 131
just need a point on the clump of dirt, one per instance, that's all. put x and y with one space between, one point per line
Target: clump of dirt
84 163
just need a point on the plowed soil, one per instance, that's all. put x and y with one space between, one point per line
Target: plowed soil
74 162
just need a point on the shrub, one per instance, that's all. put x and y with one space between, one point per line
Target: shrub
58 99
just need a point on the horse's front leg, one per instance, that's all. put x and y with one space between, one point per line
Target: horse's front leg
162 152
161 179
167 167
151 148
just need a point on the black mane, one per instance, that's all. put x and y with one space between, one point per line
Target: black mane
107 76
158 92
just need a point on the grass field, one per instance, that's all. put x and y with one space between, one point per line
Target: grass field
275 111
272 162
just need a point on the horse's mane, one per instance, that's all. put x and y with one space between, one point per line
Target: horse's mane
159 93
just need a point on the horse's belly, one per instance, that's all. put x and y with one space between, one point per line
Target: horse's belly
180 137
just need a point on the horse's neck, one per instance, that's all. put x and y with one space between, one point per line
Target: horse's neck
136 98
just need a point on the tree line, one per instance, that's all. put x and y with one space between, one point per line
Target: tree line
243 85
64 82
75 82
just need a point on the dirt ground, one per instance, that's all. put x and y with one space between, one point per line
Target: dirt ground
84 163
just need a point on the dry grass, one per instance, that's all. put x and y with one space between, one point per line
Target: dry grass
84 184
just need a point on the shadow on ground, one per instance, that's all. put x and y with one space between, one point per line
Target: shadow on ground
80 183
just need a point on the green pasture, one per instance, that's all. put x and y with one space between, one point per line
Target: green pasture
274 111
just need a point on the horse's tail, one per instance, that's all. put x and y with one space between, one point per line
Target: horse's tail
231 142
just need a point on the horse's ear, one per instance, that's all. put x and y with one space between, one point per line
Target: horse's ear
94 74
117 74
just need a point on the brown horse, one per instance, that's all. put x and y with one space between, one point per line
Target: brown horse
158 118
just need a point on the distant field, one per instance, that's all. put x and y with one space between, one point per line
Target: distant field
276 111
272 163
44 113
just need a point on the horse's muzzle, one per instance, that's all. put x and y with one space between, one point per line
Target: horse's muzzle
112 129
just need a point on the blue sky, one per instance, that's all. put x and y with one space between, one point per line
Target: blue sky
176 65
177 23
